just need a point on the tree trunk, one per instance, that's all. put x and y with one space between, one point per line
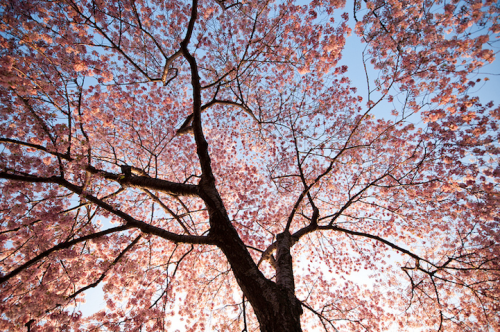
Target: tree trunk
285 313
287 307
275 305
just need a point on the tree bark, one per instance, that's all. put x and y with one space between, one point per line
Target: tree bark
275 305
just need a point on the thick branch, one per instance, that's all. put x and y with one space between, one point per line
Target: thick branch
142 181
131 222
201 143
146 182
146 228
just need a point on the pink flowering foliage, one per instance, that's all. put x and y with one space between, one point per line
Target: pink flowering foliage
210 160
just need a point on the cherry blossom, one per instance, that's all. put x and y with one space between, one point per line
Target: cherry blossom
213 160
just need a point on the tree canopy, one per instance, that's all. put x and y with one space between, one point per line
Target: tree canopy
212 160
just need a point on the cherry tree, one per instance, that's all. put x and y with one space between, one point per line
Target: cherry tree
211 160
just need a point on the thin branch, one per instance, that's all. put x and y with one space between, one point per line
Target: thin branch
377 238
103 275
35 146
167 209
58 247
